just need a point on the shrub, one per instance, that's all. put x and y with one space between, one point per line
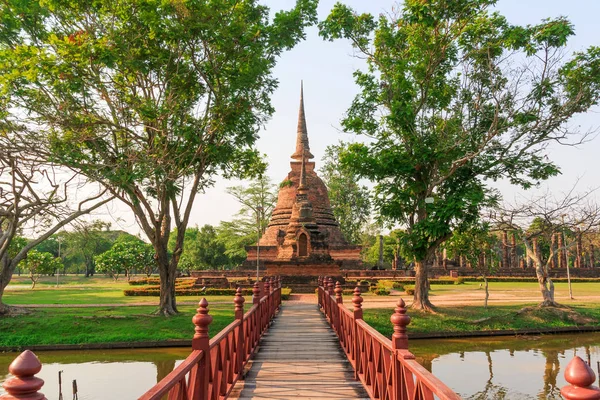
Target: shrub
285 293
459 281
398 285
381 291
409 289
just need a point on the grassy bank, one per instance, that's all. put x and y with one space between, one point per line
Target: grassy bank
104 325
498 317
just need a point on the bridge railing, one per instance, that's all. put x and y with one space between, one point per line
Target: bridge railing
214 366
385 367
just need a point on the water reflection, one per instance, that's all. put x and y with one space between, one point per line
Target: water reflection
486 368
102 374
507 367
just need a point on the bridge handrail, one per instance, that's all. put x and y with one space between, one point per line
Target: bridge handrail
385 367
214 366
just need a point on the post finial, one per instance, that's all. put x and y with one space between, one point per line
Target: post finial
581 379
357 303
202 320
400 321
239 300
24 384
256 293
338 292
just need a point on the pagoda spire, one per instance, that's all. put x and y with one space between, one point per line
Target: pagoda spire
302 147
302 185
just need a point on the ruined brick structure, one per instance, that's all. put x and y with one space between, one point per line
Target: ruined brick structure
303 237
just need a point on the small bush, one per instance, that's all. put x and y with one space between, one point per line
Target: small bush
381 291
398 286
409 290
459 281
285 293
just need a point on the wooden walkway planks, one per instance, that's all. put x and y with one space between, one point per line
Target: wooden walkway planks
300 357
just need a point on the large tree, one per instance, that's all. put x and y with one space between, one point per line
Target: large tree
151 98
87 240
36 200
349 200
536 221
257 200
455 95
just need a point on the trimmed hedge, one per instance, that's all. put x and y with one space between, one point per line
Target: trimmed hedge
285 293
156 281
524 279
155 291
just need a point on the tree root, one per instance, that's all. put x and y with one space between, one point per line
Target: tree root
12 311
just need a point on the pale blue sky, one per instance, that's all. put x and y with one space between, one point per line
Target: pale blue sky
326 68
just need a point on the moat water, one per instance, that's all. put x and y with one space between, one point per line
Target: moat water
525 367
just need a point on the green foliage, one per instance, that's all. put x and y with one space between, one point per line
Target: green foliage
202 249
38 264
477 245
124 257
409 289
150 98
349 201
452 97
390 248
257 202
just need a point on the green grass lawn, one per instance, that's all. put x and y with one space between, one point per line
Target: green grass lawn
517 288
497 317
76 289
104 325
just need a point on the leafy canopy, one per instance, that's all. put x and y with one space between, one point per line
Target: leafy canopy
349 200
455 95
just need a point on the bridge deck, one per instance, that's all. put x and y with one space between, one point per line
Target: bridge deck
299 357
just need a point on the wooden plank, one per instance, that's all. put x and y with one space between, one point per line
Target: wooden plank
299 358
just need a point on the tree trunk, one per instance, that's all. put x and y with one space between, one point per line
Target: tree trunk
167 270
505 254
5 276
380 261
562 257
546 286
514 258
592 257
553 251
421 296
487 292
579 250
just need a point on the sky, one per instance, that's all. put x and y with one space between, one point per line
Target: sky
326 69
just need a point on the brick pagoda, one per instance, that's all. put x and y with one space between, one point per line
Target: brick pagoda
303 237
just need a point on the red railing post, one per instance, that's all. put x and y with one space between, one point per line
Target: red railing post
24 384
267 286
256 293
330 286
279 288
399 321
199 378
324 296
358 314
339 301
239 300
272 298
581 380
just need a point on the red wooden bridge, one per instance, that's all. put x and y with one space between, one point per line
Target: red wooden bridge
295 351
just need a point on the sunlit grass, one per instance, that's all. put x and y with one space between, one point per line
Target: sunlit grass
104 325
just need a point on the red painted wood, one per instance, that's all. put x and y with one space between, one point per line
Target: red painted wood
385 367
24 384
214 366
581 380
